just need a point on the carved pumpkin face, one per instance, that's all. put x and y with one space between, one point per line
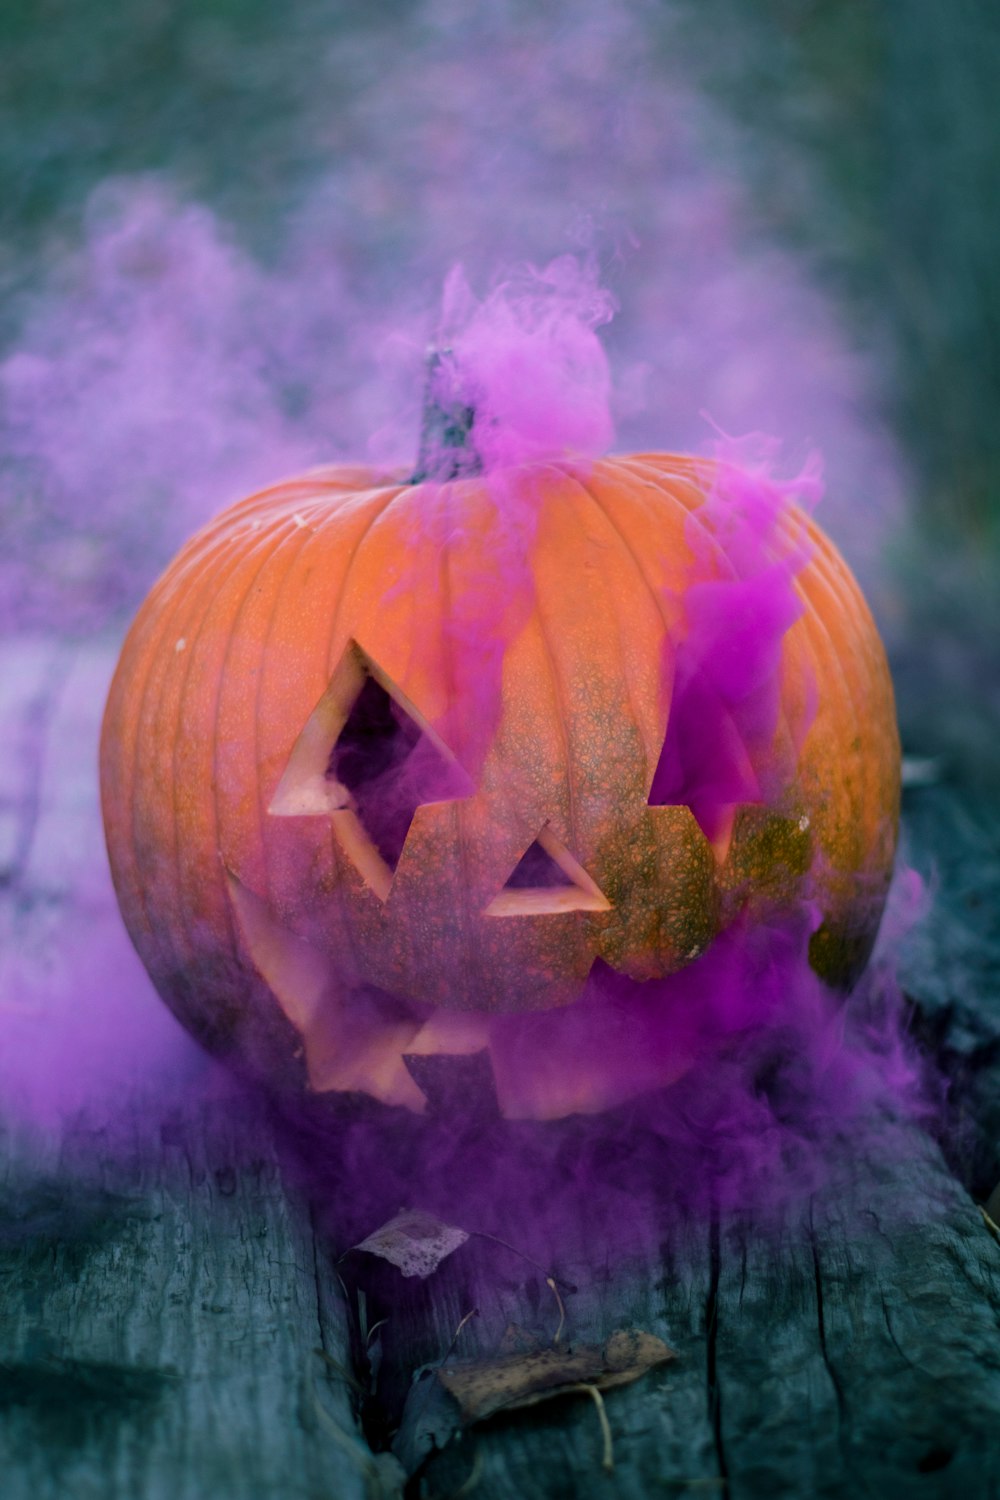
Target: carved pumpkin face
387 770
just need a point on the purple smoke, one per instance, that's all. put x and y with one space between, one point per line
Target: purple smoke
528 363
162 370
724 709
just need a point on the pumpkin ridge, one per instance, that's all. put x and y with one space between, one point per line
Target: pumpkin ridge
826 665
720 553
845 591
783 525
629 560
817 591
659 481
307 484
675 469
269 553
391 493
182 606
656 597
304 538
654 593
572 793
394 494
373 502
693 514
470 947
825 605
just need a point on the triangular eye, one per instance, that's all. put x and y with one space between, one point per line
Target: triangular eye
545 880
367 758
704 764
388 766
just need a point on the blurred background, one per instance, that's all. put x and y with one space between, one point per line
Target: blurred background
225 224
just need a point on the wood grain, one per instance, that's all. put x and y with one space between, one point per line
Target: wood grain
165 1285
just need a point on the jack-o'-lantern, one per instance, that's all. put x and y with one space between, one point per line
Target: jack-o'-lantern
389 767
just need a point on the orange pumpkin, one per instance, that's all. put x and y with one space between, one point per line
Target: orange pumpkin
377 766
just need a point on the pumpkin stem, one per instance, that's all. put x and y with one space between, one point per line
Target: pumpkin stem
446 450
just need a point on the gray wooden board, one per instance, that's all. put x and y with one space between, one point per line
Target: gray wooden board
851 1350
161 1320
161 1297
164 1292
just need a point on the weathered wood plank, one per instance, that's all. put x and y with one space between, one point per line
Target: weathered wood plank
854 1350
810 1351
910 1287
164 1292
162 1313
161 1296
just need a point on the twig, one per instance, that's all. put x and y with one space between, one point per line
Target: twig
608 1456
373 1330
472 1478
993 1228
474 1313
550 1281
482 1234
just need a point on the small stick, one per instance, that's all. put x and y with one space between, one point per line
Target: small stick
482 1234
474 1476
608 1456
472 1313
550 1281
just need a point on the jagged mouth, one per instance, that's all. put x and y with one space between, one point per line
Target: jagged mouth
620 1038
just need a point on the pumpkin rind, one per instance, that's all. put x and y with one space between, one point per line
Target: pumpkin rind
238 642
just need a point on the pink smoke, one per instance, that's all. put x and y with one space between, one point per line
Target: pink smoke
719 749
528 363
163 369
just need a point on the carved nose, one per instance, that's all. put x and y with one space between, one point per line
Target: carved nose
547 879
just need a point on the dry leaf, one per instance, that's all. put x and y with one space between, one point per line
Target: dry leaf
514 1380
415 1242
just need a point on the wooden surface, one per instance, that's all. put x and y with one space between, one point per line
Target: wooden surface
176 1319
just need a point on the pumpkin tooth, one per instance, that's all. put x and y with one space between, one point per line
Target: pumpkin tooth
349 1043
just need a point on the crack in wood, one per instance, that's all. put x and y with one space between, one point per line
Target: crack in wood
821 1326
713 1389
